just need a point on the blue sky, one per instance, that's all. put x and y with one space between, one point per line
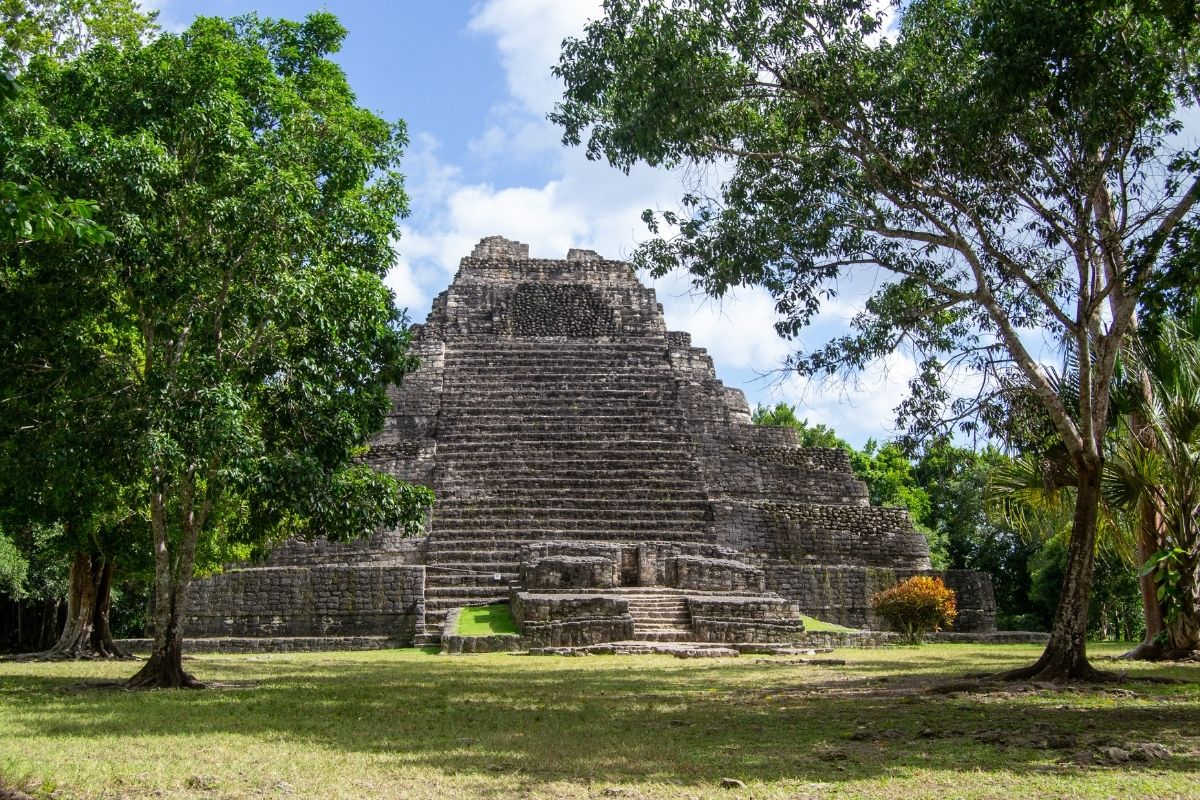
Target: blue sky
472 80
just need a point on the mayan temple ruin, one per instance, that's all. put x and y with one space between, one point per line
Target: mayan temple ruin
591 470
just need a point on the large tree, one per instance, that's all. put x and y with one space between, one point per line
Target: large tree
51 477
253 206
62 29
1007 169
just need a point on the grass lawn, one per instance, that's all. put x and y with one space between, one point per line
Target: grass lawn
486 620
814 625
414 724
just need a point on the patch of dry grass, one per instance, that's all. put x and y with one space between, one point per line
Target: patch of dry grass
411 724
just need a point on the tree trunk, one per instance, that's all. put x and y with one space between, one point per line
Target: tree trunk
1150 647
49 622
1065 657
86 633
165 670
1149 540
1183 623
172 577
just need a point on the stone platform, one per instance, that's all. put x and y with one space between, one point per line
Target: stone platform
592 471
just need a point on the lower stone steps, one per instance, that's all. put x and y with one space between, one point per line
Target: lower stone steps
663 634
466 593
663 620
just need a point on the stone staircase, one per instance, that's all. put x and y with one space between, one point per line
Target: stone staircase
554 439
660 617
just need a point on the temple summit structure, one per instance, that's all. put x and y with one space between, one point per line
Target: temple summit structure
592 471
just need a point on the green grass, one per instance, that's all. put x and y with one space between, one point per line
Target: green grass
412 724
814 625
486 620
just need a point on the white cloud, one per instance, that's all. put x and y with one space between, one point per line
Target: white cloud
410 293
168 21
737 331
858 409
528 34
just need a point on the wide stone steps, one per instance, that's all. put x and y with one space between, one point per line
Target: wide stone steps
532 350
660 617
662 620
626 485
466 593
526 530
646 463
515 406
586 387
552 505
597 491
466 580
584 392
449 560
611 352
568 529
567 441
597 424
663 634
551 371
547 463
614 535
565 450
567 494
593 520
549 510
569 437
485 547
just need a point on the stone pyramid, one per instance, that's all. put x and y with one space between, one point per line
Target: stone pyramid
592 471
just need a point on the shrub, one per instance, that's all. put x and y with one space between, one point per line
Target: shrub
916 606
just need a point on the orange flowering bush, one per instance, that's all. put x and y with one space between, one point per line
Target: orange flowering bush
916 606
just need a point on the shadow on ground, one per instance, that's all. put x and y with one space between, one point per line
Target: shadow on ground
620 719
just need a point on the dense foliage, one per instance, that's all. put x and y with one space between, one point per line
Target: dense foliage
237 336
916 606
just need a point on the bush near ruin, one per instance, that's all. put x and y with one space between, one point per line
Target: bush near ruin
916 606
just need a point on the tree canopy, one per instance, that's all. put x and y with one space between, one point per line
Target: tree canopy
1007 167
239 311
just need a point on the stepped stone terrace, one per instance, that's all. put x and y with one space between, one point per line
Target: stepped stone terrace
591 471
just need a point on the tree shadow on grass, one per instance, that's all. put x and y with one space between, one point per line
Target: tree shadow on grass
620 721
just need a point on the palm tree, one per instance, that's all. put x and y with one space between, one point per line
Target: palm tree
1161 472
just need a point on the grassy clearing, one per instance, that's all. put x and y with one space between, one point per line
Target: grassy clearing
412 724
814 625
486 620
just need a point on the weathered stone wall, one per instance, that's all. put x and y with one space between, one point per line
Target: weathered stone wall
329 600
713 575
382 547
842 594
822 534
655 560
974 597
570 572
571 620
745 619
